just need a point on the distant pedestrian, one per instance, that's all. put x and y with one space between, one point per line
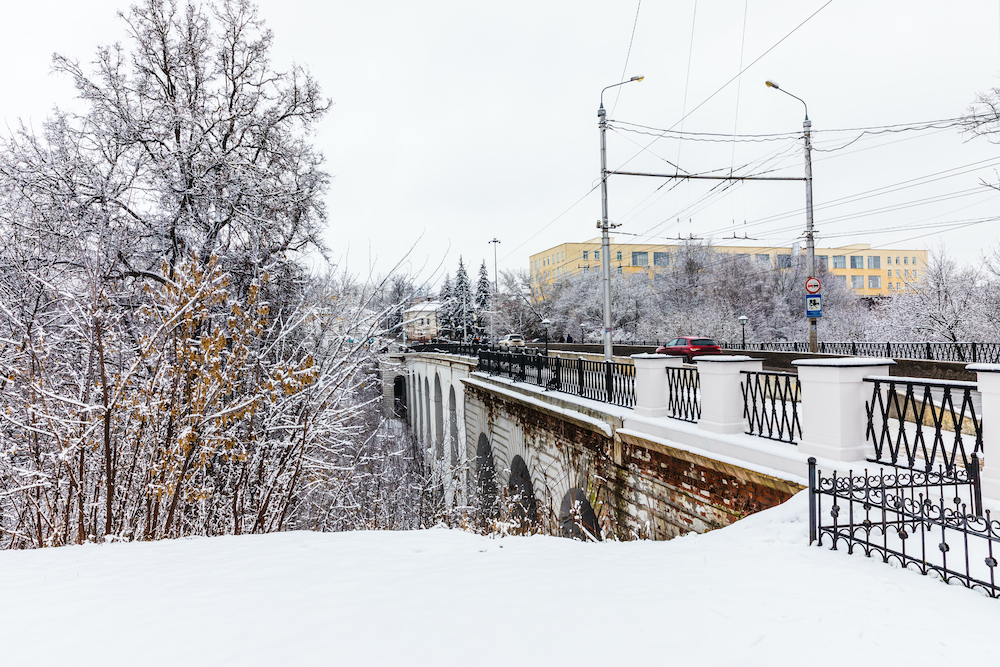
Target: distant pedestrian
569 338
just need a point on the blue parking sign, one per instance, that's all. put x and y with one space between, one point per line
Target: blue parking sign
814 305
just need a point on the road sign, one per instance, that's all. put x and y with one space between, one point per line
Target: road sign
813 285
814 305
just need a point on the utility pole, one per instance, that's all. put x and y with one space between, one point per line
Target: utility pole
810 241
496 290
602 123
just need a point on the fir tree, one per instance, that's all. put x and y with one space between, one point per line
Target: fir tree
446 313
484 291
464 312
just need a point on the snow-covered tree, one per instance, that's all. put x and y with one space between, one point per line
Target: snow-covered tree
464 305
484 299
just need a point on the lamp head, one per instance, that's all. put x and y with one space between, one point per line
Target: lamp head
743 319
772 84
637 78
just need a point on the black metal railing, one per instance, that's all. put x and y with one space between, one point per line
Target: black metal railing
968 352
771 405
605 381
464 349
921 520
684 399
923 424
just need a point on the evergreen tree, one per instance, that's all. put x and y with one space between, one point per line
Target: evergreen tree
446 313
484 290
465 312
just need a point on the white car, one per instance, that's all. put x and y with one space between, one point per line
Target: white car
512 340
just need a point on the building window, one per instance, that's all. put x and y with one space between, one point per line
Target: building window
890 273
914 274
586 269
840 280
822 261
619 270
597 255
763 259
913 261
905 260
858 282
857 262
906 272
661 259
586 254
888 260
784 261
840 261
874 282
874 262
619 255
640 259
897 260
890 286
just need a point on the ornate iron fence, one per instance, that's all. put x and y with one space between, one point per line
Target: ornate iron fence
968 352
914 422
920 520
684 400
606 381
771 405
464 349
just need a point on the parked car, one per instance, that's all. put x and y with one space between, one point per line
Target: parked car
690 347
511 340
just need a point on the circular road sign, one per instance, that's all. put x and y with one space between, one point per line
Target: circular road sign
813 285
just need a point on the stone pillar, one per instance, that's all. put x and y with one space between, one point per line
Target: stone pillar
721 396
833 414
988 379
651 391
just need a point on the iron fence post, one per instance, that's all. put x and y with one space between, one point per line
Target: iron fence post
579 375
974 356
977 492
608 381
812 499
558 364
854 348
888 349
929 357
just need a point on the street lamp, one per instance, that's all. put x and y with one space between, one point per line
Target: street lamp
546 323
810 246
602 123
743 322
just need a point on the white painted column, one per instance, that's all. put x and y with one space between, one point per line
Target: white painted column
651 389
833 414
988 379
721 396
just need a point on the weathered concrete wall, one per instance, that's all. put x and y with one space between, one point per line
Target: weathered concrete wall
637 487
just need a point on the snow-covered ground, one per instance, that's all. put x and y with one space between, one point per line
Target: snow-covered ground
750 594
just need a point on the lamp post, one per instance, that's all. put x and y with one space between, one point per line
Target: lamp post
743 322
810 245
546 323
496 290
602 123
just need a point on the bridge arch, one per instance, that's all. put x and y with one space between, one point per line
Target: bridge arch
521 491
427 413
486 479
453 427
438 419
577 517
399 396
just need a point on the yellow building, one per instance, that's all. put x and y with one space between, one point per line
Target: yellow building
868 271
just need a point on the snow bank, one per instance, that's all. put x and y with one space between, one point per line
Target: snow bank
750 594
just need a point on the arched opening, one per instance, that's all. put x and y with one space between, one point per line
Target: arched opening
399 396
453 427
577 518
418 421
521 492
427 413
438 420
486 479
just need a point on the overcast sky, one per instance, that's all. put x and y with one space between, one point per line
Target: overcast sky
457 122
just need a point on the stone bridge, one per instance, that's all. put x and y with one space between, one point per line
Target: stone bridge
571 464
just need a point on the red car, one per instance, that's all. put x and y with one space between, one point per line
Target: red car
690 347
